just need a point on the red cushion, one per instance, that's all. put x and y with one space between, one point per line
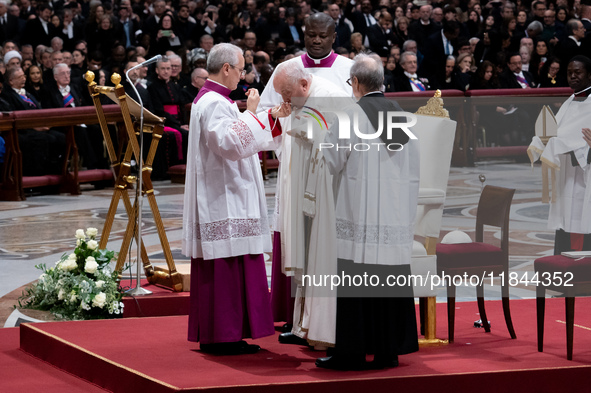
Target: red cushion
177 169
454 256
581 269
35 181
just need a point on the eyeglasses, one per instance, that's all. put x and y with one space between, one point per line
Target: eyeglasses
242 70
349 82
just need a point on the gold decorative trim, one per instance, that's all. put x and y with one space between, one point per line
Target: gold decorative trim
434 107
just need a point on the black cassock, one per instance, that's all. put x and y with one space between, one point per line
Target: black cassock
372 323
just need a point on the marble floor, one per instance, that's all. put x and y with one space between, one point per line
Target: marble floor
40 229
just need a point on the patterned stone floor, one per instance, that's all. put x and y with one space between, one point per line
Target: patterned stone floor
41 229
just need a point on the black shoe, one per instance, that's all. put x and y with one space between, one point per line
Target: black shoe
380 362
234 348
290 338
343 363
286 328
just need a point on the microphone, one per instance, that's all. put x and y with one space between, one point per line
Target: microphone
145 63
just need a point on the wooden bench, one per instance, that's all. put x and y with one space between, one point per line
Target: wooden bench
12 182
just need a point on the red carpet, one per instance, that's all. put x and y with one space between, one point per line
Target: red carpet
163 302
152 355
21 372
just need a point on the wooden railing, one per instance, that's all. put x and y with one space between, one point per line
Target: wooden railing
462 106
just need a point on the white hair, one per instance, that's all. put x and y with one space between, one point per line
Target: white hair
58 67
221 54
294 72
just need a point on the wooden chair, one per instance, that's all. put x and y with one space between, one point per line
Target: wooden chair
553 272
479 258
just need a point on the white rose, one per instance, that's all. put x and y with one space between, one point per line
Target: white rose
100 283
73 297
90 266
99 300
60 294
78 242
67 265
91 232
92 245
80 234
42 277
72 256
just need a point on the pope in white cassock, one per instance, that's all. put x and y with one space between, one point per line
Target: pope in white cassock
308 203
568 153
319 60
225 224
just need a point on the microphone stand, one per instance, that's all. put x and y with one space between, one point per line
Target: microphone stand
138 290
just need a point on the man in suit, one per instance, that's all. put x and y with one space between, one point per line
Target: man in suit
42 149
409 81
343 27
371 321
40 31
421 29
9 24
572 45
517 125
438 47
380 35
363 19
64 93
514 77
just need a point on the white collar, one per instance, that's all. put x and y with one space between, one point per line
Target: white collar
20 92
584 90
317 61
372 92
425 24
64 90
572 37
411 75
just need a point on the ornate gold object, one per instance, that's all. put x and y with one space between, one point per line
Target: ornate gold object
116 79
121 168
434 107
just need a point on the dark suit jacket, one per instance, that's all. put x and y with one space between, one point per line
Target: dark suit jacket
378 40
359 23
52 98
11 29
35 34
587 25
402 83
420 33
15 102
433 65
285 35
372 105
507 80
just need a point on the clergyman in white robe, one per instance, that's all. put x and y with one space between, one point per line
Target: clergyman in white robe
225 224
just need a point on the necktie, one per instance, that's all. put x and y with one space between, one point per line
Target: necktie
367 20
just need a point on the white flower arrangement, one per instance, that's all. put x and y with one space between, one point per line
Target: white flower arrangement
80 286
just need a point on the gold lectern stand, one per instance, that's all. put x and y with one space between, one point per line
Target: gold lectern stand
155 126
